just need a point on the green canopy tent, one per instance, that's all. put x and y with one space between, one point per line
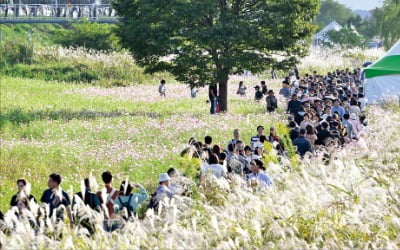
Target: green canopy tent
383 77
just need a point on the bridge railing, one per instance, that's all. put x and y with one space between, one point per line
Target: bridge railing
59 11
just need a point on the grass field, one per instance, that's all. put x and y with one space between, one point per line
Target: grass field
78 130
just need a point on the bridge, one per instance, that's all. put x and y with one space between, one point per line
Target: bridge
56 13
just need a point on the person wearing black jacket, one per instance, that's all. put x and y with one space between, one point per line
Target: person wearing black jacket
264 89
294 107
323 135
303 145
21 183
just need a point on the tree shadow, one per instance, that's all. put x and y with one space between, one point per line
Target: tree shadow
19 116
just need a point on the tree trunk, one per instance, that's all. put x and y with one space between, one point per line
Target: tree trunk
223 94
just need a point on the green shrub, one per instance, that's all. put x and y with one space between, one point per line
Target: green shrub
89 35
13 52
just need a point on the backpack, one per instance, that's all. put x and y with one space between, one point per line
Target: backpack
128 206
92 200
153 204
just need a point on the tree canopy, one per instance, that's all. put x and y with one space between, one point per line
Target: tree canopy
202 42
332 10
346 38
389 21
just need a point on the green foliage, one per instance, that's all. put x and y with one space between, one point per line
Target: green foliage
16 52
389 21
60 72
75 65
28 51
346 38
190 167
207 40
332 10
90 35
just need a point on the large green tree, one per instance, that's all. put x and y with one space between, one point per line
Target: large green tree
390 22
346 38
332 10
204 41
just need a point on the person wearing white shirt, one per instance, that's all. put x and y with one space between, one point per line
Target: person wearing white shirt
258 175
362 101
214 167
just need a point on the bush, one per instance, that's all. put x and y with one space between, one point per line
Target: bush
60 72
13 52
89 35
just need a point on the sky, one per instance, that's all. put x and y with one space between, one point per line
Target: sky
362 4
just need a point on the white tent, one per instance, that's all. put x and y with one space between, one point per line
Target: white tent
322 35
383 77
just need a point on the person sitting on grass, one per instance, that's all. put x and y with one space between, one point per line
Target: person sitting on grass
128 200
82 204
22 193
236 137
256 138
176 181
241 89
258 177
213 166
24 213
57 199
111 194
163 189
89 198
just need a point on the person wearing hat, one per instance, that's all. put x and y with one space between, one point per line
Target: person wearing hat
258 176
258 150
258 95
163 189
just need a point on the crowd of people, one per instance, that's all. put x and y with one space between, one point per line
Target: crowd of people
323 110
113 205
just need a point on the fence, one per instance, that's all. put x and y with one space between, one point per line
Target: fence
14 13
